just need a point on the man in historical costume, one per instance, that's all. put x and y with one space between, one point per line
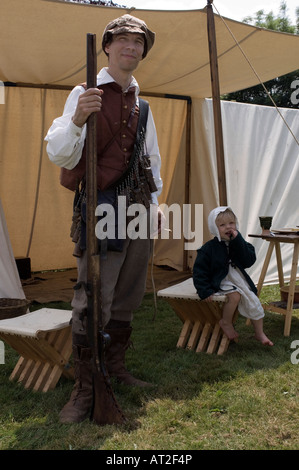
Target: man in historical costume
126 41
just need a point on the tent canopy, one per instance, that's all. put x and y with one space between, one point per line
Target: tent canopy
47 41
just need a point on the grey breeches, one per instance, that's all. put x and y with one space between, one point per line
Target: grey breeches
123 282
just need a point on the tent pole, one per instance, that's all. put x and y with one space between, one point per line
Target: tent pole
187 172
216 104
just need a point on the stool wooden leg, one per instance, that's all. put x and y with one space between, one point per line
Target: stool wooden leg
214 339
224 344
52 379
46 381
194 335
204 338
18 369
187 327
25 374
35 372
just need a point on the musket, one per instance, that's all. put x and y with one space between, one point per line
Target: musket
105 407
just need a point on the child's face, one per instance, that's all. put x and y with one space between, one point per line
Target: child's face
226 225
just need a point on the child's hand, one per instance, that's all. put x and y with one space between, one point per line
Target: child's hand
209 299
234 233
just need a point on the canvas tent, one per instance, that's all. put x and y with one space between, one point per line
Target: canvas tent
43 52
10 286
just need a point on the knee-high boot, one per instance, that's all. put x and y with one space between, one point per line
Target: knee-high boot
79 406
115 357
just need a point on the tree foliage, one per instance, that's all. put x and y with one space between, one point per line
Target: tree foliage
281 89
106 3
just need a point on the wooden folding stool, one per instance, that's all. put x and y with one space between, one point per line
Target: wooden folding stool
201 330
44 340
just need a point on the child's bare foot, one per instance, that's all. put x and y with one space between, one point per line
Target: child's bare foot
264 339
228 329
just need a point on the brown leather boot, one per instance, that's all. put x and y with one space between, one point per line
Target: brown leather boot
115 357
79 406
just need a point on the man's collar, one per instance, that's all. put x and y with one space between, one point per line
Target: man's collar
104 77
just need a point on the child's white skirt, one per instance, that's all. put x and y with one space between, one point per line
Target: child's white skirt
249 305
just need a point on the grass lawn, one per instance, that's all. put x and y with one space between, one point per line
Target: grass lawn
246 399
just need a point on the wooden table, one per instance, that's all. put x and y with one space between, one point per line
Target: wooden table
274 242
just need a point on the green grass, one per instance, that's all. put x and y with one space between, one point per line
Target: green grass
245 399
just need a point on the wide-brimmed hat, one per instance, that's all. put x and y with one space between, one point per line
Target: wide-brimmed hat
129 24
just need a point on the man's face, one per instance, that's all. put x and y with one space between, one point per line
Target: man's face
125 51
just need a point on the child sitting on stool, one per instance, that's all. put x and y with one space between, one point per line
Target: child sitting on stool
220 268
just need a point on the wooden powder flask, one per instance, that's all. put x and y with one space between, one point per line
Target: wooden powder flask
105 407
